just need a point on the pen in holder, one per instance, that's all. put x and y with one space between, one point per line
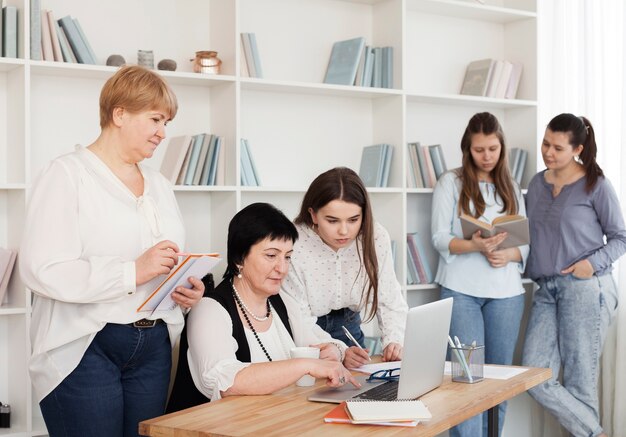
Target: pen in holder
467 363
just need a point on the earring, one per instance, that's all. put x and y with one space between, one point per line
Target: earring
239 268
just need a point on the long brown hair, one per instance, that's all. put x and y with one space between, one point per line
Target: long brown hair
487 124
580 131
342 183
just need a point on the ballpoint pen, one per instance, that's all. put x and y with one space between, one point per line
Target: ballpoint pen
460 356
353 340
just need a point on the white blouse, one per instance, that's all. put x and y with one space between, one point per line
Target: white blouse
322 280
84 229
212 361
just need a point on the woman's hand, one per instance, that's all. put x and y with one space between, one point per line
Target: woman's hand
356 357
158 260
392 352
335 373
500 258
489 244
581 269
188 297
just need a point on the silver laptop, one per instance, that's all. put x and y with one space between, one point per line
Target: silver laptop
423 359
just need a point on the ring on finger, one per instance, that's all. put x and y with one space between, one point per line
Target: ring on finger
342 380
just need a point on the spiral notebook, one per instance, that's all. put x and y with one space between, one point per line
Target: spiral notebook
339 414
365 411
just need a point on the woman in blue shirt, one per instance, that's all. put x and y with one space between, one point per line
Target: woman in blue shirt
484 281
572 207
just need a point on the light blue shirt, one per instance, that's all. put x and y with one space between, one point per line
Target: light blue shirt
471 273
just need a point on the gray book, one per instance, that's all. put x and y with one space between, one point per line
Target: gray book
203 159
386 166
372 165
92 55
368 69
196 147
344 61
9 32
520 165
247 52
204 177
247 176
439 163
35 30
66 50
477 77
377 79
174 157
255 55
387 67
516 226
214 161
255 173
76 41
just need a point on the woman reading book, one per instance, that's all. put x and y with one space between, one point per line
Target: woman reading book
101 229
484 280
342 264
238 338
572 209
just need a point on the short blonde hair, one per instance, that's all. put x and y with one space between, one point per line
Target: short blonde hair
135 89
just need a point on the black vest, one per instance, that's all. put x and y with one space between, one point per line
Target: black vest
184 393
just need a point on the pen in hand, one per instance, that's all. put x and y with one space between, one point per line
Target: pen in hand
353 340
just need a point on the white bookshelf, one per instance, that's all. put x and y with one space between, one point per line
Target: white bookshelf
296 126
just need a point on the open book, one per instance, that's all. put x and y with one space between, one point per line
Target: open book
197 265
515 225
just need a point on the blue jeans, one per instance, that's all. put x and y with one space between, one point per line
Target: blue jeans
121 380
494 323
333 321
567 328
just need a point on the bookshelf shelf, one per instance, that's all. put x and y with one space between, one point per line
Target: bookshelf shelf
297 126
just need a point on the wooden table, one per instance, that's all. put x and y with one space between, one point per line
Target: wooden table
288 413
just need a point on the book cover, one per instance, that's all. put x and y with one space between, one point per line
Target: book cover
477 77
247 52
372 165
365 411
516 74
384 181
92 55
204 177
54 38
515 225
368 68
344 61
494 78
46 39
66 50
196 265
203 159
174 157
76 42
7 261
9 32
439 162
35 30
256 57
339 415
196 147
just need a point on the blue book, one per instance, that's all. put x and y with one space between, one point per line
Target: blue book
214 158
372 165
35 30
386 166
344 61
368 68
196 147
377 78
76 41
92 55
204 177
255 55
9 32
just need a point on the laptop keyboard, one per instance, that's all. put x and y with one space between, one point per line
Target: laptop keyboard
383 392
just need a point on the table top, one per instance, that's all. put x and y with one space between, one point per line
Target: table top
288 413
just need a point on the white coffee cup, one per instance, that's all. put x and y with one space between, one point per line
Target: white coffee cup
305 352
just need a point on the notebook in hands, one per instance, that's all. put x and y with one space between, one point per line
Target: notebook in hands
423 359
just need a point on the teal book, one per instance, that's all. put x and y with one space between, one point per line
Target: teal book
196 147
214 161
344 61
372 165
35 30
384 181
204 177
76 42
9 32
256 57
92 55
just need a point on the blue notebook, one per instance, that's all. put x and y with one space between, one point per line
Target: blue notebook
344 61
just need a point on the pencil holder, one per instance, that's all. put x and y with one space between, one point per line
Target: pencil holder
467 363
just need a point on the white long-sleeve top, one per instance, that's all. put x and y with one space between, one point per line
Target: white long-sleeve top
84 229
471 273
212 360
323 280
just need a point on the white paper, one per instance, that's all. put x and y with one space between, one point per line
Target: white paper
371 368
494 372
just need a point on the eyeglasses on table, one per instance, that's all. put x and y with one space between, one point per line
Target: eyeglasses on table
385 375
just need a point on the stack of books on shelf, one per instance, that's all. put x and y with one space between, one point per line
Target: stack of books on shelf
251 55
249 173
354 63
426 165
60 40
517 163
7 261
419 271
495 78
194 160
375 165
8 32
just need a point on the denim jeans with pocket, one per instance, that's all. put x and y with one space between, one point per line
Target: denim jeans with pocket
494 323
333 321
121 380
567 328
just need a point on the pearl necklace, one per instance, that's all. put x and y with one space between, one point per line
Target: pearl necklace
241 306
245 307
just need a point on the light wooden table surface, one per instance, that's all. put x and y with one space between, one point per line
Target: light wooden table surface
288 413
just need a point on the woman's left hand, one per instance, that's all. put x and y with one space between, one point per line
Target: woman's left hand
328 351
392 352
498 258
581 269
188 297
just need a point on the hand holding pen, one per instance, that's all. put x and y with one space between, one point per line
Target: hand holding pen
356 356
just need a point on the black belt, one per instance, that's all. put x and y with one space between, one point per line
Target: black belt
145 323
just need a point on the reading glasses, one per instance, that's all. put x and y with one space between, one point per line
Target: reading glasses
385 375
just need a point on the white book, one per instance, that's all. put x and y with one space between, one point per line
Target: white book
503 81
247 51
516 74
494 78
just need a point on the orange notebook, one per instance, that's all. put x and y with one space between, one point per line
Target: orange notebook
340 415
